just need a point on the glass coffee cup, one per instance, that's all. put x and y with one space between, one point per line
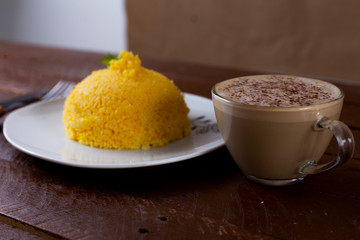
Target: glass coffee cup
277 127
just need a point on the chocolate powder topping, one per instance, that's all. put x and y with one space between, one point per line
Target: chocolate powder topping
277 91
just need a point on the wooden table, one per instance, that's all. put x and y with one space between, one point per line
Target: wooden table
203 198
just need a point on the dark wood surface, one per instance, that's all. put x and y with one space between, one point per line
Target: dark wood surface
203 198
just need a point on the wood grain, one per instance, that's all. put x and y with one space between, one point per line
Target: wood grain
204 198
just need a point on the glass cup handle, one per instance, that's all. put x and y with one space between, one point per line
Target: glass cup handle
346 145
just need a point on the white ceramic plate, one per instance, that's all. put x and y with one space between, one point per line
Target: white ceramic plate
37 130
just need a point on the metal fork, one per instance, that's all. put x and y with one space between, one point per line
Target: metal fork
61 89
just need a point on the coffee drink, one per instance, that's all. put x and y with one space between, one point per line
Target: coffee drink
271 124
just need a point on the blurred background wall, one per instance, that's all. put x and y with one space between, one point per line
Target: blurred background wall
307 37
92 25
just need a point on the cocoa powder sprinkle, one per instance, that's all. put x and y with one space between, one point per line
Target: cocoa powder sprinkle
277 91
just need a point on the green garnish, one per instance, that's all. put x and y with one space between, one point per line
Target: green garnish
106 60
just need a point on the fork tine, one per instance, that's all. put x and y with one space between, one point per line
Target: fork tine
53 90
61 89
65 89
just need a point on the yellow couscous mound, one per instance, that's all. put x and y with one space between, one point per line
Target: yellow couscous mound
126 106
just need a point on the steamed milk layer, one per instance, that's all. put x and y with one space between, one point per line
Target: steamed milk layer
268 134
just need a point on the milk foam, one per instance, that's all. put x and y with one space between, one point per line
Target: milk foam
277 91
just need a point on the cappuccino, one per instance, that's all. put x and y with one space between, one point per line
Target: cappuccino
269 124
